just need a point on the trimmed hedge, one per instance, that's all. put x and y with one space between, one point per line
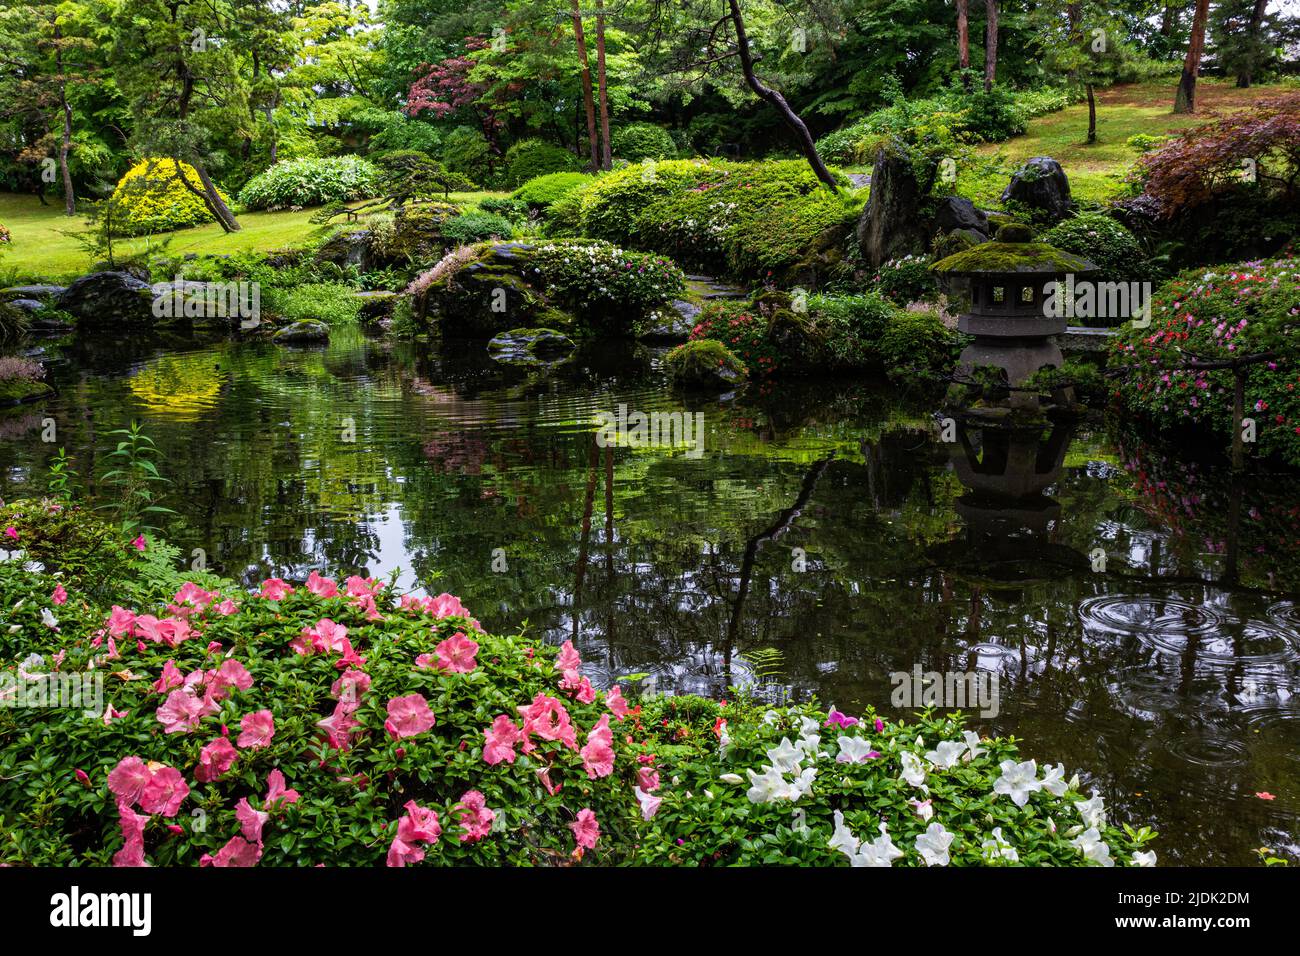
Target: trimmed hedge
311 182
150 198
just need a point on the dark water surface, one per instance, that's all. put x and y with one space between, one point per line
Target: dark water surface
1141 610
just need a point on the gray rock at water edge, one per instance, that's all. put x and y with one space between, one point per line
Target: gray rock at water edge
347 249
957 212
376 305
1042 186
32 292
108 299
302 332
27 305
530 347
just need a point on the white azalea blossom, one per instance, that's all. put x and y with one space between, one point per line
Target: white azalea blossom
785 757
946 753
842 839
973 748
48 619
1018 781
1144 859
1093 811
732 778
1093 848
924 808
766 787
1054 779
996 847
933 845
913 770
854 750
879 852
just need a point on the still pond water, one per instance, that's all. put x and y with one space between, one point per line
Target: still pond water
1141 611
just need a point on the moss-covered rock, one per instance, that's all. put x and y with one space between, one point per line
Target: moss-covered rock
416 234
704 363
302 332
531 347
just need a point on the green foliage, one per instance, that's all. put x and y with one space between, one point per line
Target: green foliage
603 282
530 158
465 150
508 207
1229 313
151 198
311 182
544 191
636 142
471 227
132 480
905 280
1100 239
853 326
66 539
917 347
329 302
744 331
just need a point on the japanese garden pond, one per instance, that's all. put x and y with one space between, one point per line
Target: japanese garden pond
1140 609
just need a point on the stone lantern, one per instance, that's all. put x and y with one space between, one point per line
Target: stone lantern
1016 311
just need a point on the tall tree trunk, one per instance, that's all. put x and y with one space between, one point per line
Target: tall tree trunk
211 198
607 155
1092 114
777 101
990 44
963 42
65 144
1168 19
1247 73
1185 98
588 101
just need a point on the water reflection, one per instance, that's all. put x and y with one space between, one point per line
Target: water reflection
824 540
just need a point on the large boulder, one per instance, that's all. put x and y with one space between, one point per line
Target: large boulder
1042 187
958 212
302 332
892 224
530 347
108 300
32 292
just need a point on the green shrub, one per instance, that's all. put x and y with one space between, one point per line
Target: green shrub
150 198
470 227
510 208
311 182
331 303
853 326
466 150
544 191
917 347
599 280
744 331
530 158
1100 239
905 280
640 141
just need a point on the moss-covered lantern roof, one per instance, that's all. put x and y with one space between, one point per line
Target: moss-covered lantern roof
1012 258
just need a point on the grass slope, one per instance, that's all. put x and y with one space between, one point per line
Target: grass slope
42 246
1096 170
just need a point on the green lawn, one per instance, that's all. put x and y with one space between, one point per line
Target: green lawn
1096 170
41 245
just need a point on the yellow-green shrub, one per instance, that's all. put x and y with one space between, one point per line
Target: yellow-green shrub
150 198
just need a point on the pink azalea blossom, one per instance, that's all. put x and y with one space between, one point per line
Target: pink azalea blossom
165 792
649 803
111 714
231 674
362 587
349 658
256 730
456 654
251 821
191 593
121 622
339 725
132 824
447 605
322 587
276 791
586 831
420 825
598 754
500 741
547 718
837 719
215 760
426 661
616 702
568 659
275 589
350 685
59 595
544 775
171 677
82 777
138 543
647 778
181 712
408 716
128 779
237 852
401 853
11 532
475 817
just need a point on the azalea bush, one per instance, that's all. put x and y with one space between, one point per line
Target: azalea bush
598 278
1227 313
151 198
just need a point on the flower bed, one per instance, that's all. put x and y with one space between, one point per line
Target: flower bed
341 724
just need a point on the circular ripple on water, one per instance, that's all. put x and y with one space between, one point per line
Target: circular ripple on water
1207 748
1285 614
1167 624
1145 693
1276 726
